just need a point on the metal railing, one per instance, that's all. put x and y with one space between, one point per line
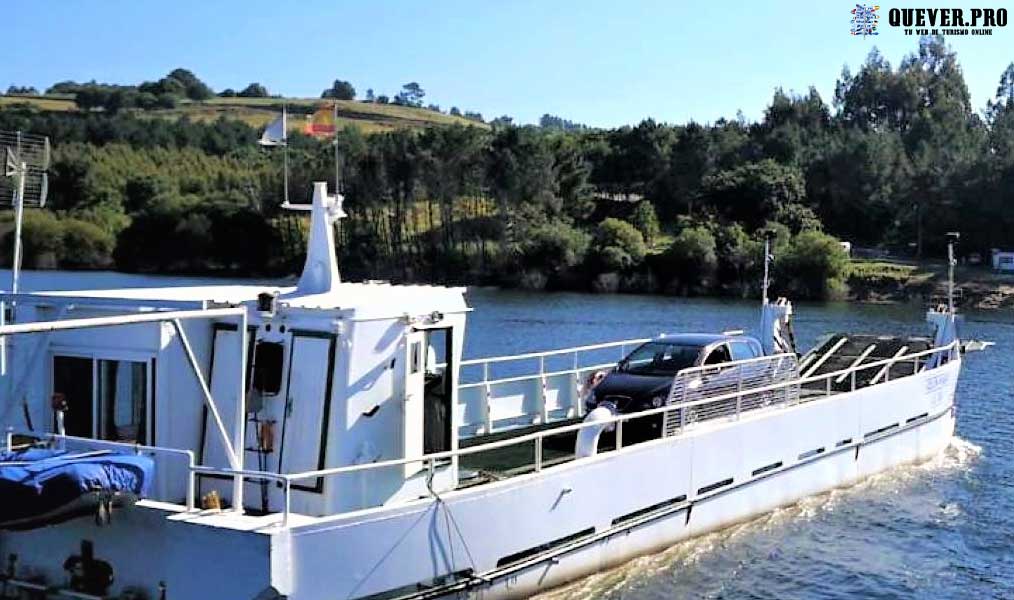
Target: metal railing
785 393
550 388
743 377
779 390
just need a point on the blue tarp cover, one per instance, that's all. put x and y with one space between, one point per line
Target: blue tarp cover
39 481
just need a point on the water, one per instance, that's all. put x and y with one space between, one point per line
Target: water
943 529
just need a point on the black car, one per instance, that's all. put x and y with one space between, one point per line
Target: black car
642 380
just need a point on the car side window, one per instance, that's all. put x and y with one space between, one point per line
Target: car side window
718 355
742 350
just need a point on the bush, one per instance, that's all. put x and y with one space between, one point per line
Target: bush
86 245
814 266
254 90
646 221
41 239
554 247
618 245
740 258
693 258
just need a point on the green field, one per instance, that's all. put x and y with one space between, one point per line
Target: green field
257 112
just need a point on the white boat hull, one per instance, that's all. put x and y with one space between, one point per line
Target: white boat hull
600 511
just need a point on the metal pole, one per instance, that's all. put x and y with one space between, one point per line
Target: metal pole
950 275
239 430
767 260
285 153
130 319
19 210
337 169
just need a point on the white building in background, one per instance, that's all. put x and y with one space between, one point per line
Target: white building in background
1003 260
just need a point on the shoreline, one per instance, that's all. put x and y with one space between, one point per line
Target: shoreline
975 288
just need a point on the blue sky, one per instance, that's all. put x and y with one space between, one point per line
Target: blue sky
604 63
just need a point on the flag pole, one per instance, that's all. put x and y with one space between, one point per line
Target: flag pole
337 168
285 153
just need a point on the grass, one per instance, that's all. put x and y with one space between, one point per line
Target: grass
258 112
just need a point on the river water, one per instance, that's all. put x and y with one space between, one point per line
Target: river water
944 529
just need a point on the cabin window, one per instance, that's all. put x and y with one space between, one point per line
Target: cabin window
416 357
104 398
72 391
268 360
123 400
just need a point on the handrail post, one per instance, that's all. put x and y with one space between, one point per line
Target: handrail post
538 454
288 502
487 412
827 379
852 376
619 433
543 411
191 483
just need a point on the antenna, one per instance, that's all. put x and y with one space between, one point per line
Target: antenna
769 235
952 238
24 183
26 160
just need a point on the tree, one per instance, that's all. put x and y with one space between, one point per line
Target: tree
554 248
813 267
227 93
692 259
754 192
254 90
646 221
193 88
340 90
411 95
619 246
455 111
382 99
16 90
369 95
86 245
92 96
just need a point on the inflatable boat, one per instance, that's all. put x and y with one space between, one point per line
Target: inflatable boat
42 486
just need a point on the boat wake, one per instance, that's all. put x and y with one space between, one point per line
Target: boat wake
624 580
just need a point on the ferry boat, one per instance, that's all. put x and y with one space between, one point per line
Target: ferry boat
327 440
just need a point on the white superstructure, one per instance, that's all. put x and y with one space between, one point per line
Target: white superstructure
330 422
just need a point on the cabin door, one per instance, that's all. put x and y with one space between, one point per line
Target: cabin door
307 406
224 386
414 398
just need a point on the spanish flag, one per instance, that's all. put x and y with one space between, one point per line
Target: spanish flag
322 123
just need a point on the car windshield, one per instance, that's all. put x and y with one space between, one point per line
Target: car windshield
659 358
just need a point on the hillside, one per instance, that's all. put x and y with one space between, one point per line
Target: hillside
257 112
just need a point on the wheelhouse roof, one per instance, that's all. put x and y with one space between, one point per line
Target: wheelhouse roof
367 298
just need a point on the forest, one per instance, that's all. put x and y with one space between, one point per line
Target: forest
896 158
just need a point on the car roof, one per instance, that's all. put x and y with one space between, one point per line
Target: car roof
700 339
